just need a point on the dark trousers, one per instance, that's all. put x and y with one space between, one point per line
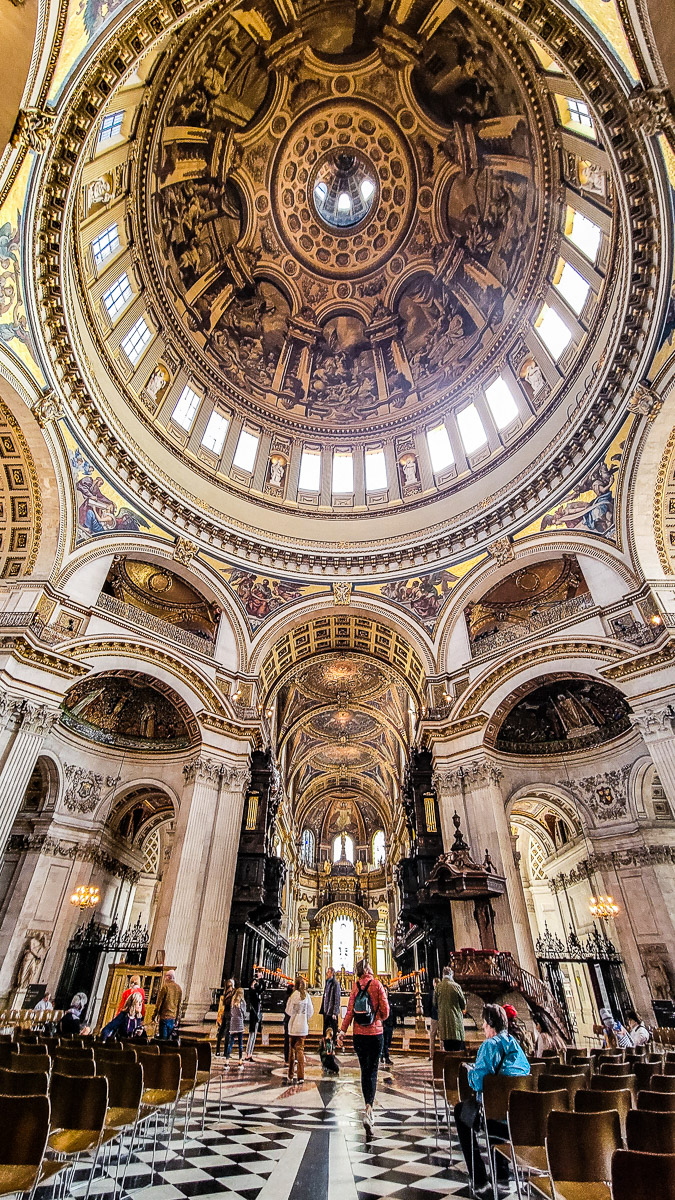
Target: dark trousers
498 1131
230 1043
453 1044
166 1027
223 1031
387 1035
368 1050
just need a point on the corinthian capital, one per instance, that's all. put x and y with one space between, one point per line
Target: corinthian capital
36 718
234 776
466 776
654 722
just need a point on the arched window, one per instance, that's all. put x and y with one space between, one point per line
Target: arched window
337 848
307 848
379 848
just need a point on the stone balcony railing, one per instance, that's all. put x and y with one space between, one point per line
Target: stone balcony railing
136 616
538 621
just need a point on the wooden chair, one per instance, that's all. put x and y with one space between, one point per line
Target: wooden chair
494 1104
527 1117
29 1062
621 1100
32 1048
573 1069
23 1083
161 1090
571 1083
24 1128
611 1083
579 1148
574 1055
103 1054
651 1101
619 1068
204 1061
653 1132
68 1051
125 1094
640 1176
79 1105
668 1067
662 1083
81 1067
5 1054
643 1072
550 1054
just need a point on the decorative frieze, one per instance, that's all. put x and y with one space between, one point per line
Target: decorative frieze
606 794
614 860
652 110
654 722
23 843
33 129
644 401
46 407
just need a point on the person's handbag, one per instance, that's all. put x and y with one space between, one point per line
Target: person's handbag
470 1110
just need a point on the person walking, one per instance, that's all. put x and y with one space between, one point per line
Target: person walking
134 986
330 1003
451 1004
255 999
287 1038
500 1054
368 1007
223 1014
237 1019
167 1009
433 1017
300 1012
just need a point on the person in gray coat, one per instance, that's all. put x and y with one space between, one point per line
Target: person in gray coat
330 1005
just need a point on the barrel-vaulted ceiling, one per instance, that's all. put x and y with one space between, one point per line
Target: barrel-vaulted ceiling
334 260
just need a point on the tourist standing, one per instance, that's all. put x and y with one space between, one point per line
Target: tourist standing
134 986
167 1009
300 1012
388 1031
639 1034
330 1003
547 1038
237 1019
433 1017
368 1007
451 1004
223 1015
287 1040
255 1015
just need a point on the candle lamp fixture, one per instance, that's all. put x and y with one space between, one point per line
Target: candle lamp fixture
603 906
86 897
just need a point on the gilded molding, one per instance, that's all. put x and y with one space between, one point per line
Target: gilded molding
640 664
528 658
152 654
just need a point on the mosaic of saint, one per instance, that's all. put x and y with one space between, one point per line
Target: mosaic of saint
260 596
118 710
100 507
333 263
424 595
562 715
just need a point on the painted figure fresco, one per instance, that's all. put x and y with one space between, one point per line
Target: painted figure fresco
13 324
123 711
100 508
564 714
262 595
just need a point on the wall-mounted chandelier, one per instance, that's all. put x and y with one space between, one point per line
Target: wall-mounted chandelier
603 906
86 897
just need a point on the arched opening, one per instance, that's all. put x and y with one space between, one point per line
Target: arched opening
379 848
343 848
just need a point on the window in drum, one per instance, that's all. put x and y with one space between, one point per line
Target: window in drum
110 126
343 473
376 471
247 449
215 432
310 471
117 296
186 409
471 429
502 405
136 340
553 331
106 244
440 450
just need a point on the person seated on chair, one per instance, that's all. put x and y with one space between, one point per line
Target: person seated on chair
128 1023
329 1062
72 1021
500 1054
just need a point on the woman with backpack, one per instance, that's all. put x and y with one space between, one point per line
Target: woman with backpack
368 1007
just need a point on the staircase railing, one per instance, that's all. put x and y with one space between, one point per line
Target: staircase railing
493 969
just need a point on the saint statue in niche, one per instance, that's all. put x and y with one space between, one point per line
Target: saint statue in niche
277 472
31 960
409 468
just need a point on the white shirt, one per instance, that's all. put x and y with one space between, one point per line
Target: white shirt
42 1005
639 1035
300 1012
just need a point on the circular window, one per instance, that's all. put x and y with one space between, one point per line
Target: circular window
345 189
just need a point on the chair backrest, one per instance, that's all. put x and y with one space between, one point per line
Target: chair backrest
125 1083
662 1083
621 1100
574 1069
528 1114
103 1055
610 1083
496 1092
78 1102
24 1047
639 1176
574 1055
5 1054
204 1053
464 1088
188 1062
669 1067
67 1051
571 1083
652 1101
643 1072
437 1064
28 1062
451 1069
651 1131
536 1070
162 1072
24 1129
550 1054
24 1083
74 1066
580 1145
611 1068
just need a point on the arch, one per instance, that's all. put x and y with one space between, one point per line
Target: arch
555 798
379 847
348 847
588 706
44 785
188 681
139 807
160 718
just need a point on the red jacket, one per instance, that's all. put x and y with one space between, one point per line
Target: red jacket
125 996
378 999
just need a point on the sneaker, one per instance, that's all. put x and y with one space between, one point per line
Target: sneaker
368 1121
483 1192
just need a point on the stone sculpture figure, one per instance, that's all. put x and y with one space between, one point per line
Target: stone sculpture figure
31 960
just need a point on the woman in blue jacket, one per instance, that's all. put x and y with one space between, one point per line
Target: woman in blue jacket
500 1054
128 1023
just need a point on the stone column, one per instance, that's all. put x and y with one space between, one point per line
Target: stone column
472 788
656 727
194 908
34 721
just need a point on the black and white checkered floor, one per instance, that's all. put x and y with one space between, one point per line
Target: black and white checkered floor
268 1141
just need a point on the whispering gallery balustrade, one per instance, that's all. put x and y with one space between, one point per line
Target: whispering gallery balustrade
490 642
137 616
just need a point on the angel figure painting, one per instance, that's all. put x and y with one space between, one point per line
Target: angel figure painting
100 508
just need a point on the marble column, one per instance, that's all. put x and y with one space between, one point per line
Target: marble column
472 787
33 723
194 907
656 727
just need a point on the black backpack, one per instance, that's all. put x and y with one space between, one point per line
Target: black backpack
364 1013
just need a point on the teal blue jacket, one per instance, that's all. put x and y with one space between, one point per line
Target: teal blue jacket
505 1047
